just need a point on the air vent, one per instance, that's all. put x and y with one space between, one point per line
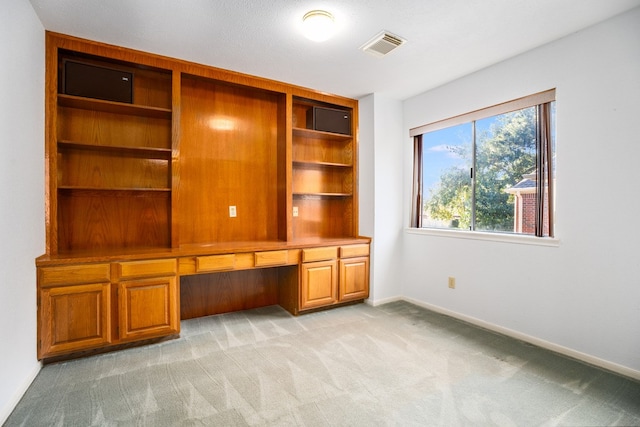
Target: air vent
383 43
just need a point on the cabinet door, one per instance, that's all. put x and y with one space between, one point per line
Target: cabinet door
74 318
148 308
354 278
318 284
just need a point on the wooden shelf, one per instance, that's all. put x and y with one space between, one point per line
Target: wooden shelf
104 189
310 133
150 152
112 107
321 195
303 164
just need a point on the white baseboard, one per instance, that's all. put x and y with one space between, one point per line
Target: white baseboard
383 301
574 354
17 395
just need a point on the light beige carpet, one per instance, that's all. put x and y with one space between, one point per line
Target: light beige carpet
394 365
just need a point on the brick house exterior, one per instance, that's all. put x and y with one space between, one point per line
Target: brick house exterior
524 206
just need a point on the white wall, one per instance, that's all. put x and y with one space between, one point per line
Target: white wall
583 297
366 167
21 194
380 186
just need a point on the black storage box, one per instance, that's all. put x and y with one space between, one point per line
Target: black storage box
329 120
92 81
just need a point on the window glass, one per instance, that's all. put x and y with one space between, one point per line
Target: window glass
447 158
505 153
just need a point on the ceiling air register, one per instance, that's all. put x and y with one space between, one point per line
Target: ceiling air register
382 44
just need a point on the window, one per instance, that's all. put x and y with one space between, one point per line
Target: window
490 170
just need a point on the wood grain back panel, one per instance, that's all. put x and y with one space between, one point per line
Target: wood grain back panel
151 88
325 217
112 129
208 294
228 157
101 220
111 169
311 147
319 179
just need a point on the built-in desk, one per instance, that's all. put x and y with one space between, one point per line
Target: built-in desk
92 302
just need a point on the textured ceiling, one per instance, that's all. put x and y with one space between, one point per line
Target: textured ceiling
446 38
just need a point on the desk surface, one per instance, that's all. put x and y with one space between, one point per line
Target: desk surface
192 250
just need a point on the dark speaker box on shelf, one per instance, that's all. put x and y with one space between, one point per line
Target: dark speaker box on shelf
329 120
92 81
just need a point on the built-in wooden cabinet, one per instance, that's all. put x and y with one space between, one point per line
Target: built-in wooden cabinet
74 308
84 306
148 308
354 278
354 272
318 283
197 176
326 279
148 299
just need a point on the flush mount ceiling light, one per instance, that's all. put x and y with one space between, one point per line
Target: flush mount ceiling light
318 25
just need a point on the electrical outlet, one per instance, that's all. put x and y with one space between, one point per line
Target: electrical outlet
452 282
232 212
295 211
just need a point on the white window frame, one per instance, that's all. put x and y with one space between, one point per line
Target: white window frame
541 100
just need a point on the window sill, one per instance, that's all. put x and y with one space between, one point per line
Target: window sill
492 237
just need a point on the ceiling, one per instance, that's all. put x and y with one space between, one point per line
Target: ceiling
447 39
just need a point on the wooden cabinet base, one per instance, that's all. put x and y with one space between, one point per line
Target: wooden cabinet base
99 304
90 306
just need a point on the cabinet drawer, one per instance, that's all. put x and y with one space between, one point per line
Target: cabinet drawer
155 267
354 250
263 259
215 263
74 274
319 254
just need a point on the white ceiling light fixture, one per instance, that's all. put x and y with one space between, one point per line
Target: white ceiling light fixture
318 25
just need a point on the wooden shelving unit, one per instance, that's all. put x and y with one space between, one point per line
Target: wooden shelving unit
323 177
139 199
112 184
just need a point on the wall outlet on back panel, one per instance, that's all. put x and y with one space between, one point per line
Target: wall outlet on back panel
232 212
295 211
452 282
